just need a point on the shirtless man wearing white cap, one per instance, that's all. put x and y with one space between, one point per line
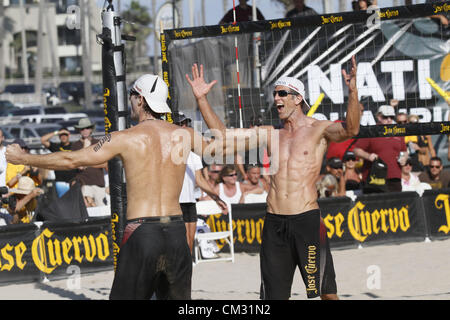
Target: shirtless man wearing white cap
294 233
154 254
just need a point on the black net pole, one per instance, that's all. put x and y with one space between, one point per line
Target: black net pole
115 107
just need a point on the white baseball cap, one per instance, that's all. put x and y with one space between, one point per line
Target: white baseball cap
386 110
155 92
295 84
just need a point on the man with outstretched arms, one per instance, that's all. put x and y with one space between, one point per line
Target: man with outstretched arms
294 233
154 256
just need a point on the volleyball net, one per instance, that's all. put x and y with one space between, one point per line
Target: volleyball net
402 54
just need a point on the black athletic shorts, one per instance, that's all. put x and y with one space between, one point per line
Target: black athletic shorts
289 241
189 211
154 257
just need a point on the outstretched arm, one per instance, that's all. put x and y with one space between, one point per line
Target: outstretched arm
232 140
107 148
337 132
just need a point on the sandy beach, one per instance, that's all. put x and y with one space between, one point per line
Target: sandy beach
414 270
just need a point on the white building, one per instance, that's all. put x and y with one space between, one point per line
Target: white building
62 35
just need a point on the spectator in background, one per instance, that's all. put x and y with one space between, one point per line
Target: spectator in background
229 189
335 168
392 150
352 176
62 178
26 203
192 176
212 177
338 149
244 12
435 176
91 178
363 4
259 186
420 148
15 172
300 10
410 182
3 163
327 186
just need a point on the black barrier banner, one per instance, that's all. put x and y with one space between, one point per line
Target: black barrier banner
334 213
28 253
370 219
16 254
387 217
437 207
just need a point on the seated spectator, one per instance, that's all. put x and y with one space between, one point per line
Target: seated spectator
334 167
420 148
327 186
255 180
25 194
352 176
62 178
244 12
15 172
435 176
230 190
300 10
411 182
212 175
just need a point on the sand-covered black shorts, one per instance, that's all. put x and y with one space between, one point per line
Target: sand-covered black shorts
154 257
189 211
289 241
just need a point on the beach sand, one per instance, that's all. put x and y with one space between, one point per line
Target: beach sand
414 270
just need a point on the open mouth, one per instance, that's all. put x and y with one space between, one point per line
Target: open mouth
280 107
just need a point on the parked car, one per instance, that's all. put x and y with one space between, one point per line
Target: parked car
55 110
30 133
28 111
53 118
6 108
19 88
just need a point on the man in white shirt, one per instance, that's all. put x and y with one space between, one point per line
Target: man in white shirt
192 176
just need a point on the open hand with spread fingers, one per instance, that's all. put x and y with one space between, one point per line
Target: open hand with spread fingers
200 87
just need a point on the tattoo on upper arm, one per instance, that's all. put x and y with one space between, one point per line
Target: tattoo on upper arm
102 141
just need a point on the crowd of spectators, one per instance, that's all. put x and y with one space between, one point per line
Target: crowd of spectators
383 164
22 185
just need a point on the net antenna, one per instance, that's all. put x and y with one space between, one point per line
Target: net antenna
116 111
241 124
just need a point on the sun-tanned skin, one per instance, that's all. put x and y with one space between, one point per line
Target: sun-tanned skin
302 143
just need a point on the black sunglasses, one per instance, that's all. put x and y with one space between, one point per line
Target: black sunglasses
283 93
231 175
387 117
434 167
